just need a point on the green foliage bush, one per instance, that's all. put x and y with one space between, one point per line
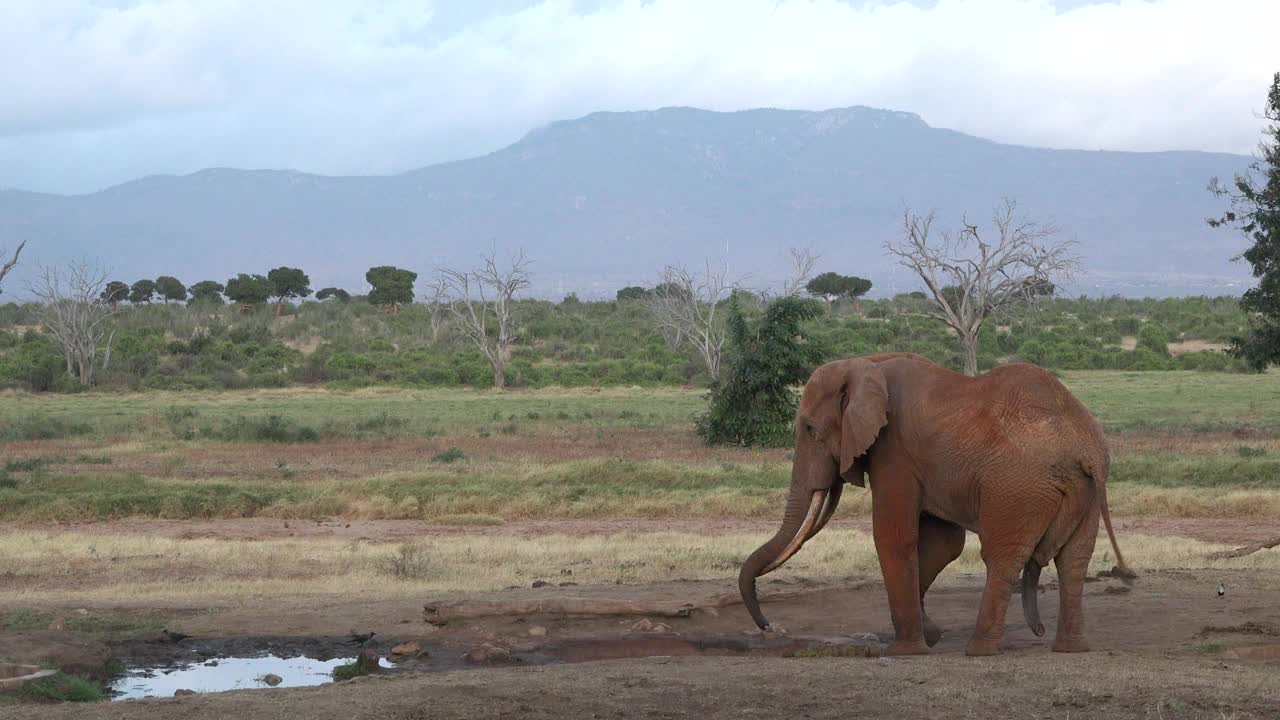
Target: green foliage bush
754 401
354 344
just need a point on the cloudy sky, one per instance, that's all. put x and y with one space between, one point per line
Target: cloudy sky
97 92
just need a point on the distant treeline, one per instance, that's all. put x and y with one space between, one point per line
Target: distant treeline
575 343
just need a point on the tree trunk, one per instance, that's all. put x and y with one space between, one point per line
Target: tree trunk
86 371
969 346
499 374
278 308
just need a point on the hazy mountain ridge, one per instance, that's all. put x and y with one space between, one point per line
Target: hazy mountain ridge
607 199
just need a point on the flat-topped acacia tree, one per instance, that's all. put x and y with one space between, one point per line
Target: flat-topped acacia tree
392 287
288 283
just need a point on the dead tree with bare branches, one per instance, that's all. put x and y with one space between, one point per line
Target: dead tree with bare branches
73 313
973 276
484 298
803 261
686 304
13 261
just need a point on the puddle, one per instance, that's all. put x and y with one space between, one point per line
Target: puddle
228 673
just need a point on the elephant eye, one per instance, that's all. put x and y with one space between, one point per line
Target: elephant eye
813 431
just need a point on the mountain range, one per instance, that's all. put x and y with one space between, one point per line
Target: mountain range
608 199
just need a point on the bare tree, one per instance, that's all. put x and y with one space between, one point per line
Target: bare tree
438 306
73 313
686 304
803 261
475 297
973 278
4 269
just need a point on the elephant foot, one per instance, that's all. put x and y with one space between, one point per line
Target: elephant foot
907 647
932 633
980 647
1070 645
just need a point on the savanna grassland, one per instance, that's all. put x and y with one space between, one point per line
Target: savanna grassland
309 511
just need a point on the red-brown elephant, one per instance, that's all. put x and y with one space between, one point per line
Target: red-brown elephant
1009 455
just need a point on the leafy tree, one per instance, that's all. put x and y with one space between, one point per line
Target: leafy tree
830 285
1154 337
170 288
753 403
332 292
1255 211
206 291
142 291
392 286
115 292
249 289
287 283
632 293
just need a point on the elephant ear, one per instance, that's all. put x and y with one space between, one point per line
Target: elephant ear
866 406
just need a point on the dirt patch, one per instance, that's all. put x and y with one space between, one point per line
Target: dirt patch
1190 346
65 651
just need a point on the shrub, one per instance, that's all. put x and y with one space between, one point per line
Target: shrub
408 562
753 402
448 456
1154 337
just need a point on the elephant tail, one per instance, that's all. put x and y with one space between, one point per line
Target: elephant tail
1030 606
1099 474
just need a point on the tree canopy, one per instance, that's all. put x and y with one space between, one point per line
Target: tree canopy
288 283
832 285
332 292
632 293
115 292
206 291
1255 211
142 291
249 289
392 286
169 288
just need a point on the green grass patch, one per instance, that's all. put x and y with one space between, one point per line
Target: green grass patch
61 688
1173 471
453 454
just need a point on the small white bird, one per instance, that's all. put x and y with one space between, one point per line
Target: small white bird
1222 589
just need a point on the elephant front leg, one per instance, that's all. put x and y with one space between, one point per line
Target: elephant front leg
940 543
895 527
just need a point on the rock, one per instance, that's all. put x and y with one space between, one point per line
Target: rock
182 692
486 654
272 679
537 631
406 648
540 583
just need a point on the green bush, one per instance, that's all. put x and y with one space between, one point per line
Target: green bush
1154 337
753 402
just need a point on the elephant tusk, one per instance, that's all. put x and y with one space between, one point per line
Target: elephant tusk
815 504
828 509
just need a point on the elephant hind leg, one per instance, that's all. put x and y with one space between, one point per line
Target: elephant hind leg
1010 532
1072 562
940 543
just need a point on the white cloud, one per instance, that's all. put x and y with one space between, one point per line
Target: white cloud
100 92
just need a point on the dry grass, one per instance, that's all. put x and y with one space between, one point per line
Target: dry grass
82 567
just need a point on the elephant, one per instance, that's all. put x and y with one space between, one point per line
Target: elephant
1009 455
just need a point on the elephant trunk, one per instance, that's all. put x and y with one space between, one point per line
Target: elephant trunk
799 523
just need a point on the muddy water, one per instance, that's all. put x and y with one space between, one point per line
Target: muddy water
228 673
